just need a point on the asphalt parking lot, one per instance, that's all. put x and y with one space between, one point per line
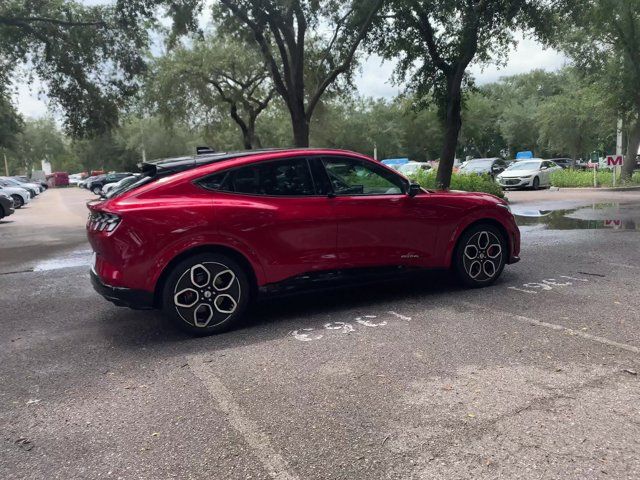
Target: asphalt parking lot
535 377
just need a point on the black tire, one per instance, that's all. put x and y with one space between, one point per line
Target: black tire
97 190
18 202
485 267
536 183
222 315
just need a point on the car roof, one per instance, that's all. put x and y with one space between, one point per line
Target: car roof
179 164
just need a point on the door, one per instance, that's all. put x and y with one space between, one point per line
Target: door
545 173
274 209
378 223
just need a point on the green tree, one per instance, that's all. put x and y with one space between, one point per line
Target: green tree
480 134
604 40
518 99
39 140
303 65
437 40
196 84
11 123
88 57
577 120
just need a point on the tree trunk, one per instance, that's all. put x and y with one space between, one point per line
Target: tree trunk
453 123
632 151
300 126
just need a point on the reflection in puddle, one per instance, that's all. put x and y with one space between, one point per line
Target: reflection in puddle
613 216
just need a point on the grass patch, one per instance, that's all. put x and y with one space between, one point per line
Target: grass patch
467 183
578 178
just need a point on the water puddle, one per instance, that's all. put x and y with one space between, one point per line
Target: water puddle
76 258
613 216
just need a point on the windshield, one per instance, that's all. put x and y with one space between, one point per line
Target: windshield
525 166
481 166
410 168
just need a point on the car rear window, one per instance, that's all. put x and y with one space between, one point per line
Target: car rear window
290 177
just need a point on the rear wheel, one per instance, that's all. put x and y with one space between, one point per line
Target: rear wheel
97 190
206 294
480 255
18 202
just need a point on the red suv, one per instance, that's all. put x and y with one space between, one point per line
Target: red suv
200 237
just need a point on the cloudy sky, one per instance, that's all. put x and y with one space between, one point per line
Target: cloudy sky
373 80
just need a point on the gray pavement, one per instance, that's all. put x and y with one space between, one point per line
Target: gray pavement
534 377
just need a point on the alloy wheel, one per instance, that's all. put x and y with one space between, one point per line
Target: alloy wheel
207 294
482 256
17 201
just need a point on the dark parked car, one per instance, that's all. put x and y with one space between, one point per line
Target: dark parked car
96 184
483 166
25 179
6 205
200 237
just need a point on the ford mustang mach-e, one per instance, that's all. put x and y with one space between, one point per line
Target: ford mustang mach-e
200 237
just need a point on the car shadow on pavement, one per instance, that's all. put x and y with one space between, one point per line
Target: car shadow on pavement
270 318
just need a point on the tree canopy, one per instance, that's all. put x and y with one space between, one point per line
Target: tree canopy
213 78
88 62
437 40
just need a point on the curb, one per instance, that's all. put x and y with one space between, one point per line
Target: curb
601 189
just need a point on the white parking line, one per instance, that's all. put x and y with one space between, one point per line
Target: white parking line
553 326
275 465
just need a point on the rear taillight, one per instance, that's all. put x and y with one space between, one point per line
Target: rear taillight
103 222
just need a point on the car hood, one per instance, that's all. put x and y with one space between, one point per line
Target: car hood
485 197
517 173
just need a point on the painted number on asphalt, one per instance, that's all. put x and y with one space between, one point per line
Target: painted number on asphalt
548 284
367 321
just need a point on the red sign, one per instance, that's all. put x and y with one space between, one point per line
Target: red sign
592 165
613 223
614 160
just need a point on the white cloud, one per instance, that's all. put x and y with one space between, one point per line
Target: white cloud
29 101
527 55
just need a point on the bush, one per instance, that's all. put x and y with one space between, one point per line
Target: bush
467 183
580 178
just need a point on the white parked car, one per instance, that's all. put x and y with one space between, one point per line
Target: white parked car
32 188
412 168
19 195
75 179
534 173
114 187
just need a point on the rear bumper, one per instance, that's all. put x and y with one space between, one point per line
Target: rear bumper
123 297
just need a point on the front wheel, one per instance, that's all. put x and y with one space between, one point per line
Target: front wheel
97 190
18 202
536 183
206 294
480 256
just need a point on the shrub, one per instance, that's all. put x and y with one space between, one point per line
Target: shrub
580 178
467 183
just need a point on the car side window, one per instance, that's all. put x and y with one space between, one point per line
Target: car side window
351 176
290 177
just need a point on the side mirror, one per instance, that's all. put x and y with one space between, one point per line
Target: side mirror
544 168
414 189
